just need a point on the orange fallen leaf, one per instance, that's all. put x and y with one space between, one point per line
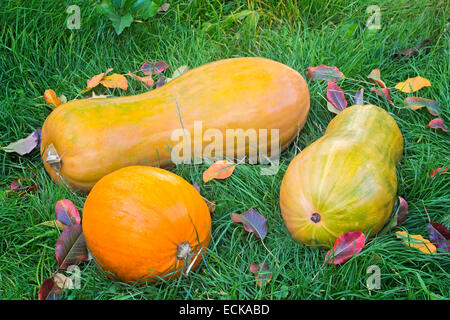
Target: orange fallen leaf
416 241
51 98
413 84
147 80
115 81
375 75
95 80
220 169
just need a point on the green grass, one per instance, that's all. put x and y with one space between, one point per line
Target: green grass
37 52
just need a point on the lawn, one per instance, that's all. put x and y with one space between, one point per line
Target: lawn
38 52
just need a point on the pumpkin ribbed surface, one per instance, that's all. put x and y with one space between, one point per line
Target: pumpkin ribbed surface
346 180
144 222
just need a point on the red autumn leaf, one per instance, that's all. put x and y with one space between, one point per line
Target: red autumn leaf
253 221
261 272
359 97
439 236
48 290
434 172
67 213
402 211
26 145
148 80
346 246
336 96
71 247
384 92
220 169
375 75
160 82
152 68
416 103
437 123
19 185
324 72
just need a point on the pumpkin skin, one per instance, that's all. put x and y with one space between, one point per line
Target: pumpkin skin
344 181
93 137
136 220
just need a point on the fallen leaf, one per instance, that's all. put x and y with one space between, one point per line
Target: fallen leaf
336 97
416 103
253 221
323 72
359 97
19 185
434 172
160 82
152 68
261 272
26 145
48 290
67 213
437 123
413 84
384 92
220 169
95 80
439 236
71 247
416 241
51 98
375 75
164 7
402 211
178 72
346 246
147 80
410 52
115 81
211 205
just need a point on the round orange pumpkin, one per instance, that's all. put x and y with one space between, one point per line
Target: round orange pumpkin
144 223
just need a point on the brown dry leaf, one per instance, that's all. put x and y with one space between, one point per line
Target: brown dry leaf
416 241
115 81
220 169
413 84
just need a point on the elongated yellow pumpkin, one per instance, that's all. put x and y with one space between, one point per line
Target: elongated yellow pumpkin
217 110
346 180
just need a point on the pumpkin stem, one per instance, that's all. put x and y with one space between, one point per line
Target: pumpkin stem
315 217
183 251
53 159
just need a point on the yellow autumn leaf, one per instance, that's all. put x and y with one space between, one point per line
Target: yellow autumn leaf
115 81
416 241
221 169
413 84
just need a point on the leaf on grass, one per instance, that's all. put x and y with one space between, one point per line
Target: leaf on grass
413 84
261 272
253 221
211 205
323 72
67 213
416 103
359 97
19 185
416 241
220 169
346 246
161 81
152 68
384 92
115 81
95 80
437 123
147 80
410 52
51 98
49 290
434 172
336 97
375 75
439 236
178 72
71 247
402 211
26 145
164 7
